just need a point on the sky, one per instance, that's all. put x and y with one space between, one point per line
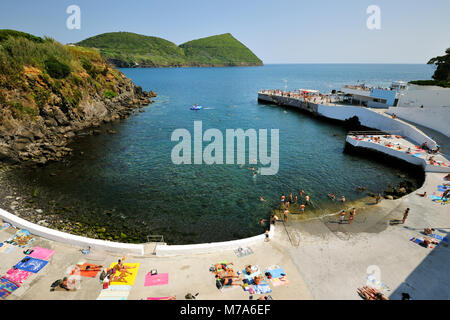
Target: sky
277 31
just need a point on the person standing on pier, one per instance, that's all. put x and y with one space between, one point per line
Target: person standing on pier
405 215
341 216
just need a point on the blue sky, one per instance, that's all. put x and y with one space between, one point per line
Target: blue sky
282 31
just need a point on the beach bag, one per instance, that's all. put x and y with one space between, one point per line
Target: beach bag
154 272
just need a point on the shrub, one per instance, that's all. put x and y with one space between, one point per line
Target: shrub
444 84
109 94
56 69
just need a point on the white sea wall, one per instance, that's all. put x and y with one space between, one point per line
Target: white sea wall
437 118
372 119
428 96
63 237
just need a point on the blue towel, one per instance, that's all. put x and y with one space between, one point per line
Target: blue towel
443 187
32 265
417 155
433 197
276 273
436 236
8 284
415 240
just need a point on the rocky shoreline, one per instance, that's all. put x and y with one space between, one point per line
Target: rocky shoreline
46 138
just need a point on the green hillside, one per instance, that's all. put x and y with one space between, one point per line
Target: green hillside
222 49
125 49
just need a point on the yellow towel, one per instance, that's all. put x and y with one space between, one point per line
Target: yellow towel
130 278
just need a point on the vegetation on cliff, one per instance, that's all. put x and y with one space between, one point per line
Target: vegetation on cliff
442 74
125 49
49 91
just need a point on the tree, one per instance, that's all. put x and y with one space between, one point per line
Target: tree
442 63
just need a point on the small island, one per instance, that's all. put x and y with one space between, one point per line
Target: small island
131 50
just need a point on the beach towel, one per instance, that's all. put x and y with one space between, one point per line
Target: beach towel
417 155
415 240
377 284
17 275
249 276
113 295
281 281
156 279
436 236
161 298
278 276
119 288
433 197
419 241
4 247
7 287
5 226
243 252
21 239
9 284
86 273
260 289
129 278
275 271
31 264
41 253
443 187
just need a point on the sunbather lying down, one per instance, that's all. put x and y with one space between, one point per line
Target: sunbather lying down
120 267
226 274
231 282
224 266
82 267
258 279
427 241
22 240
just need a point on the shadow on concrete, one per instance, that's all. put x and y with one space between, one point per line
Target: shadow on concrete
430 279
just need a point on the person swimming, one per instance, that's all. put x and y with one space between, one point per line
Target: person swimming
332 196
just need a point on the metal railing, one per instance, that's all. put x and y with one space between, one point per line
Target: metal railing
373 133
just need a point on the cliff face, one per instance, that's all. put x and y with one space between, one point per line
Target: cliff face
43 104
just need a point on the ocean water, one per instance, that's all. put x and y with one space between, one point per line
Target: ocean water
130 176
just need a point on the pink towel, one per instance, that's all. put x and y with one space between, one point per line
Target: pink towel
161 298
157 279
42 253
17 275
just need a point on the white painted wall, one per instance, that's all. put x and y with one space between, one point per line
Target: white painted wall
437 118
63 237
398 154
428 96
378 121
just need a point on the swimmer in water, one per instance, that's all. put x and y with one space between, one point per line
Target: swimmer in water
307 199
343 199
261 198
295 199
332 196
